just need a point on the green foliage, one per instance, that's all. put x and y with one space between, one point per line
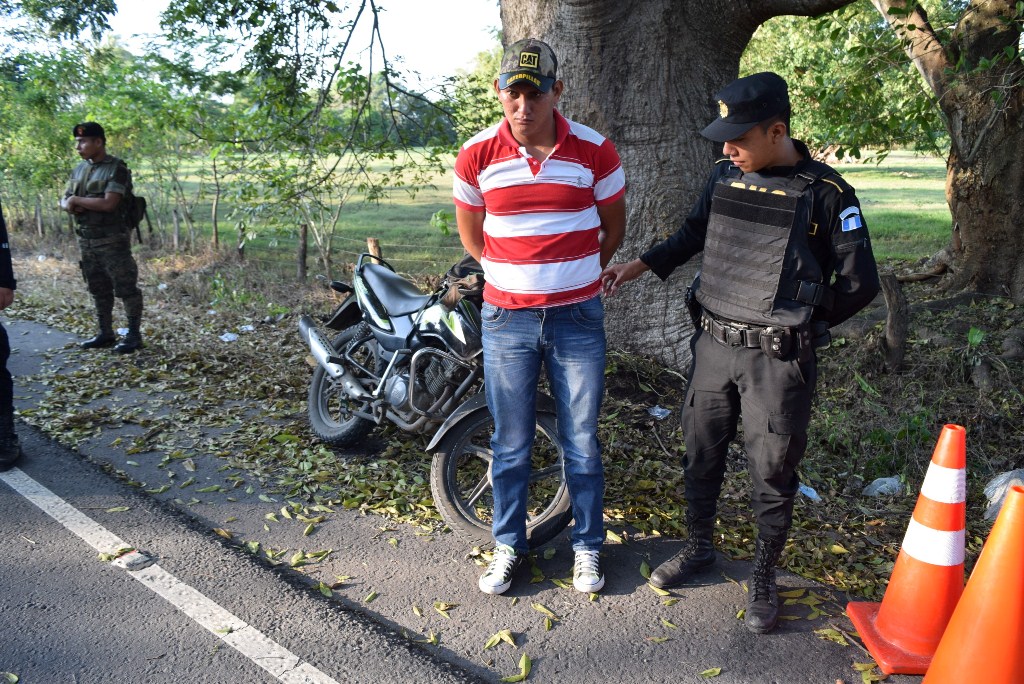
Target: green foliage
475 105
64 18
851 84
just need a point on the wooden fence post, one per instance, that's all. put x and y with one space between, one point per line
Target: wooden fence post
176 236
39 216
373 247
303 250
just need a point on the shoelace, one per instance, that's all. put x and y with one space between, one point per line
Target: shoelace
587 563
501 564
759 585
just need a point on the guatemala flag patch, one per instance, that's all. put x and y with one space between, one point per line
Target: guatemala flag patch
850 218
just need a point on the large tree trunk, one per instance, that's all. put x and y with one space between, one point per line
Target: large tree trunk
643 73
978 80
985 190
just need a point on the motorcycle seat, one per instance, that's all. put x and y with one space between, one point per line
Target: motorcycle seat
398 295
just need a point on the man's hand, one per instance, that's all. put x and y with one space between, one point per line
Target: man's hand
617 275
6 297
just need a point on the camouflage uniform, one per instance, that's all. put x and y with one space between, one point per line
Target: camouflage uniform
10 449
105 241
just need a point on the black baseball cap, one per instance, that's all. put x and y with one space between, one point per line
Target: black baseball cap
89 129
746 102
528 61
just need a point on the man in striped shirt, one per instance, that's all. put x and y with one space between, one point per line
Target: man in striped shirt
540 202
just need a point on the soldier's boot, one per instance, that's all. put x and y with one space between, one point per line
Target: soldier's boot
105 337
762 612
10 449
133 340
698 552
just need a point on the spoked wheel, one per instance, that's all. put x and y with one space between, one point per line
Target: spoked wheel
461 484
329 407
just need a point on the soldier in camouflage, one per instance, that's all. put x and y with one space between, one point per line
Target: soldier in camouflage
10 449
93 196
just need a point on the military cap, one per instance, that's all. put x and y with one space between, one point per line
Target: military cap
89 129
746 102
528 61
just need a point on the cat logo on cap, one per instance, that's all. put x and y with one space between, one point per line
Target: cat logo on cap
529 60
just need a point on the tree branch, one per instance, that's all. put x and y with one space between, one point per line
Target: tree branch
800 8
921 43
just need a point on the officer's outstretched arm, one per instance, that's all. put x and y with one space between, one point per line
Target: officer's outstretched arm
617 275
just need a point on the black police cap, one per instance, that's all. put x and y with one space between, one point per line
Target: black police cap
746 102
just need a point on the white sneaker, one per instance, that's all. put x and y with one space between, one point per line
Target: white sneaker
498 577
586 572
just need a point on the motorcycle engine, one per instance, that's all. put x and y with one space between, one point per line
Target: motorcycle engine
441 372
430 385
397 392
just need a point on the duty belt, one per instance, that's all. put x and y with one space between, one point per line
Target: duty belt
733 334
100 242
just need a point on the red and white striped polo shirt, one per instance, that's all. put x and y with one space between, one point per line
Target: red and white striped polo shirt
541 229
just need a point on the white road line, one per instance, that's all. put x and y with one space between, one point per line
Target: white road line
250 642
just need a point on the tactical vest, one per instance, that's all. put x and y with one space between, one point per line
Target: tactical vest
90 180
758 267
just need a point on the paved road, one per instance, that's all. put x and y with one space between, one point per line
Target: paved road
73 618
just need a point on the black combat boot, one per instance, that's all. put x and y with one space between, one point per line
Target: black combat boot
133 340
762 593
698 552
105 337
10 449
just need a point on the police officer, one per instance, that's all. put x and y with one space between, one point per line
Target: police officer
93 196
786 256
10 450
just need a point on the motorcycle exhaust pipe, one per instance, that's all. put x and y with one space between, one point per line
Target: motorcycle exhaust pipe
321 349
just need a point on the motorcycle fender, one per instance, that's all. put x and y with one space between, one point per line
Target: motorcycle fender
476 404
345 315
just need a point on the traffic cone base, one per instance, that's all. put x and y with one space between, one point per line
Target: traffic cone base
891 659
903 631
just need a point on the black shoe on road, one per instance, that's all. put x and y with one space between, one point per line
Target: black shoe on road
680 568
99 341
10 452
129 343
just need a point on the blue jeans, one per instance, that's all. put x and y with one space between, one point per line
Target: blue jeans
569 341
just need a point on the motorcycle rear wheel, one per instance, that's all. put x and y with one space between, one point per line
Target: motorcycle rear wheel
461 485
329 407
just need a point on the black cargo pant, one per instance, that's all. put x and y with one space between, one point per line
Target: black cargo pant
773 396
6 382
110 270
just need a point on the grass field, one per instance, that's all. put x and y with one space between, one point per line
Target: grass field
903 199
904 204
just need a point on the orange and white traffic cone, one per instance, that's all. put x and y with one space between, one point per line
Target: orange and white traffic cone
903 631
984 641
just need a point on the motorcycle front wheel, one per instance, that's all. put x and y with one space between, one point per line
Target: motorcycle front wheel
329 407
461 484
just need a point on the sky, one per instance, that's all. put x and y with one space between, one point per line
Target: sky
434 38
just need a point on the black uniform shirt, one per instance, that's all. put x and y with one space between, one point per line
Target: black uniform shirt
838 237
6 270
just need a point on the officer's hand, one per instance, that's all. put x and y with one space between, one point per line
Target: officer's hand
6 297
617 275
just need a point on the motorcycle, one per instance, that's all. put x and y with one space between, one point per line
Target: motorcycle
416 360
